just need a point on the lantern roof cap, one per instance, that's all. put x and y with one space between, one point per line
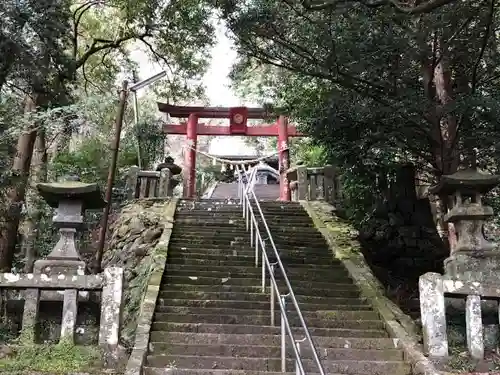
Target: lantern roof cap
55 192
470 180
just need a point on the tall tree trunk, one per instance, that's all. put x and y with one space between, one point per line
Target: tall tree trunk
17 189
34 202
448 158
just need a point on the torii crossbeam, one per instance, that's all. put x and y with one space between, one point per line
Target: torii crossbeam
238 117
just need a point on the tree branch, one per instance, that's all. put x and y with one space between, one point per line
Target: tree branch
77 17
101 44
426 7
484 44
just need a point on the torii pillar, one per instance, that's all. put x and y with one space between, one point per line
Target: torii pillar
189 172
238 117
283 158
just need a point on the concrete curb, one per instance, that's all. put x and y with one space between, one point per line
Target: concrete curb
398 324
137 357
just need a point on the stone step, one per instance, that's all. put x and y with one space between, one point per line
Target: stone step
241 229
251 305
176 371
239 260
356 367
265 320
234 257
245 281
282 210
177 245
281 244
322 314
303 239
199 242
243 235
233 273
236 204
248 268
257 297
262 330
235 223
337 290
159 337
254 351
269 216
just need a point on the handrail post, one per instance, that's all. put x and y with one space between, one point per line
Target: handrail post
283 335
297 367
263 274
251 231
256 244
257 247
272 298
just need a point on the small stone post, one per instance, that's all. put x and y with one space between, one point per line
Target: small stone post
133 175
164 183
303 188
432 313
111 313
474 326
70 310
329 183
30 314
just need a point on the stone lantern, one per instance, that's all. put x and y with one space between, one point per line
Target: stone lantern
70 199
175 170
474 257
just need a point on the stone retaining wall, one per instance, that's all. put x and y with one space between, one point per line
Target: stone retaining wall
148 303
341 238
137 244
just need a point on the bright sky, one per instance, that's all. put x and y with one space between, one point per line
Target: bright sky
218 89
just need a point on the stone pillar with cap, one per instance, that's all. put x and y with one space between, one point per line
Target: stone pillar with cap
70 198
474 257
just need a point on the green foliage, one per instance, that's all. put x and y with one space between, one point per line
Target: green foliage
90 160
152 141
372 85
308 152
55 359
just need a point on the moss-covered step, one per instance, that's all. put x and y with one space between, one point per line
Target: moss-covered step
249 304
369 343
263 329
353 367
259 297
334 276
252 319
334 314
245 259
337 290
243 350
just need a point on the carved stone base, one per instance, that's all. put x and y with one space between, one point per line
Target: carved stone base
483 267
66 267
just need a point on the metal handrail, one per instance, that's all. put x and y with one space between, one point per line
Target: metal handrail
246 192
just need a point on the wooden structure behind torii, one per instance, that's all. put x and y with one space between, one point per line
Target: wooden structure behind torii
238 117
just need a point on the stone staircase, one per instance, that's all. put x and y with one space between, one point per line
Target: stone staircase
226 190
212 319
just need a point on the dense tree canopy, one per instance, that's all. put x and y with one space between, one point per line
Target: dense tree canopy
58 81
373 83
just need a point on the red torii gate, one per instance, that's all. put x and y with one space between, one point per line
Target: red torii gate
238 117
